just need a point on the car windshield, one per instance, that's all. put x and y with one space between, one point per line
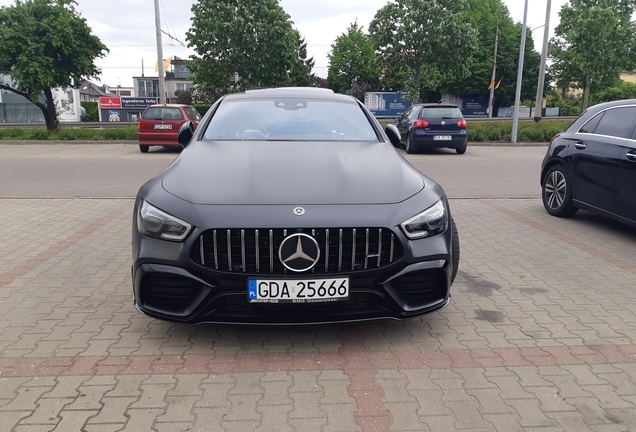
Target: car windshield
440 113
290 119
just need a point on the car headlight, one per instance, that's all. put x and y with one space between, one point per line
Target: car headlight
158 224
432 221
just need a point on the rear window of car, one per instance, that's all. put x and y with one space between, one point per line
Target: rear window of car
163 113
440 113
290 119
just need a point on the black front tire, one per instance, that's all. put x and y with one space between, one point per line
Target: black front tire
461 150
143 148
556 192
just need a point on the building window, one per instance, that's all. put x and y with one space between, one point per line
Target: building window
148 88
183 86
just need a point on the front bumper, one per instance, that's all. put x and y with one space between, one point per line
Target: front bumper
168 285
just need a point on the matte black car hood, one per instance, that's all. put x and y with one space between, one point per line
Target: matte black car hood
264 172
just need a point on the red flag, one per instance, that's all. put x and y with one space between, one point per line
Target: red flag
499 83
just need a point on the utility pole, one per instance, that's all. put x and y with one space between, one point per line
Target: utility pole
162 84
522 51
494 75
544 54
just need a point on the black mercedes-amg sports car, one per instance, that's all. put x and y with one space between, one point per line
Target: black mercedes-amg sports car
291 205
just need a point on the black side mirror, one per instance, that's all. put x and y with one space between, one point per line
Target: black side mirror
186 131
394 135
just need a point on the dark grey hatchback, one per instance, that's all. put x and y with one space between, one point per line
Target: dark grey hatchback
592 165
291 206
433 126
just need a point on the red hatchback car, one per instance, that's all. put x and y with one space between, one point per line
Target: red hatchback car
159 124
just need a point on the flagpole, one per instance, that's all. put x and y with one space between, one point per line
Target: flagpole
494 74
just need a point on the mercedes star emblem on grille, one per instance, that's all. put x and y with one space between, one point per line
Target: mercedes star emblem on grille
299 252
299 211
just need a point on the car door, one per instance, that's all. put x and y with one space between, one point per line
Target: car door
403 124
594 157
627 181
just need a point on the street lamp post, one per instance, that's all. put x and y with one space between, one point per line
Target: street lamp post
522 51
162 85
544 54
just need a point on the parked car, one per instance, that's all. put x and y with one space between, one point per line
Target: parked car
433 126
592 165
291 206
159 124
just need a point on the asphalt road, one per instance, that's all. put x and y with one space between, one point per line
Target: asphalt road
118 170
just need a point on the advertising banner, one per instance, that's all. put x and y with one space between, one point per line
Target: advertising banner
67 104
138 102
474 105
386 104
109 102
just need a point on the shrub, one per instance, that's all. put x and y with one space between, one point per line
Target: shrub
70 134
202 108
499 131
92 111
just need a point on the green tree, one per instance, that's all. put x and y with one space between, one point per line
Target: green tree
184 97
253 39
430 39
46 44
301 74
593 43
620 90
352 60
486 16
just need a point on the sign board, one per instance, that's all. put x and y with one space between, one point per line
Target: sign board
141 102
471 105
109 102
386 104
67 104
552 112
524 112
474 105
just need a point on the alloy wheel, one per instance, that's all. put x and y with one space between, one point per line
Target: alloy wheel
555 189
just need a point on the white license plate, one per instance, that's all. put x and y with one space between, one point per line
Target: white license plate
163 126
297 291
442 138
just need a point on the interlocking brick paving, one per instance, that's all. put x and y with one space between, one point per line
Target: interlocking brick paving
540 336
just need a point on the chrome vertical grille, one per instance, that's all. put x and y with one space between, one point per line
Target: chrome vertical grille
256 250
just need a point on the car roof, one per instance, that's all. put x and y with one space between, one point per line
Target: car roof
290 92
602 106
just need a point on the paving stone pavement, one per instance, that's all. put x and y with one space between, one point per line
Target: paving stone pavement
540 336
